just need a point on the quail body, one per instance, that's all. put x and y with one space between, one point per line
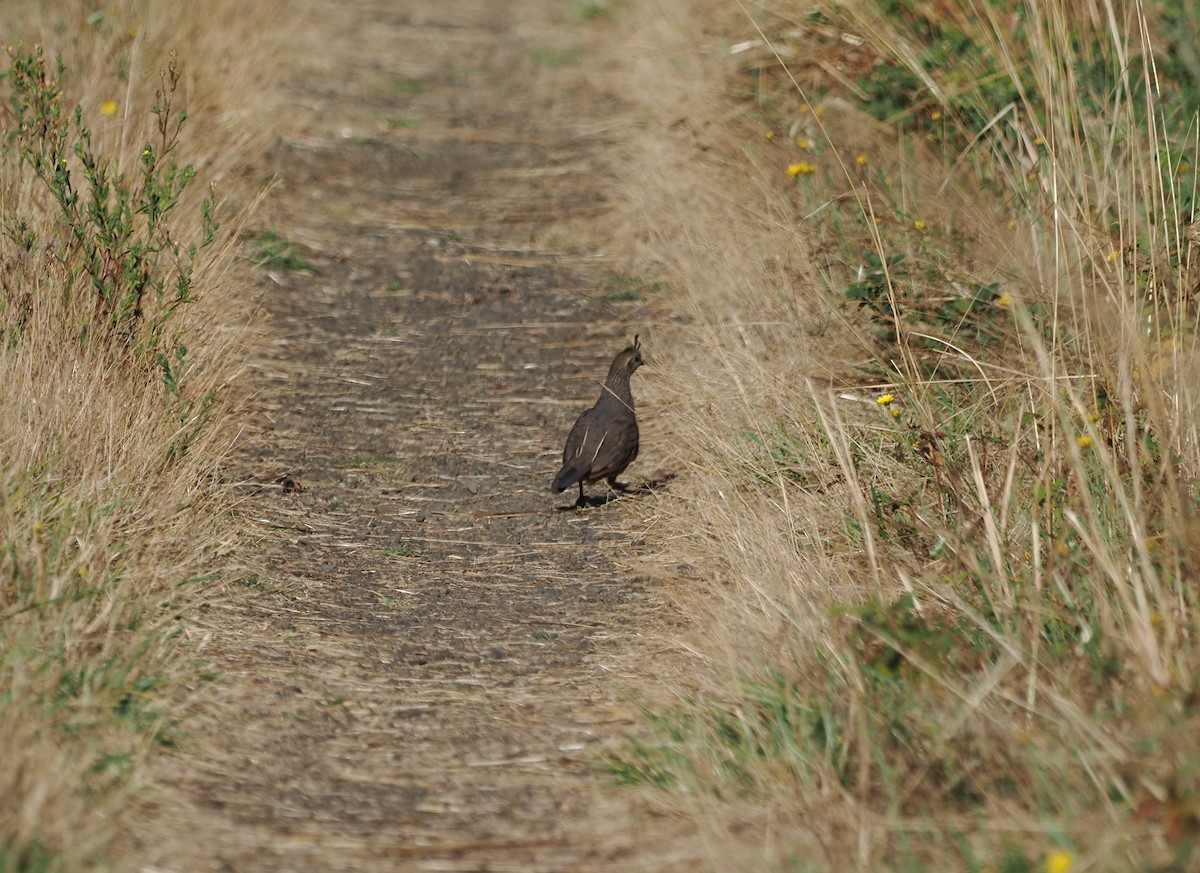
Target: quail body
604 440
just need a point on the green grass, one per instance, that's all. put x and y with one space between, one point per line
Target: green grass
268 249
956 589
623 288
113 308
409 85
32 857
399 121
555 56
595 10
368 459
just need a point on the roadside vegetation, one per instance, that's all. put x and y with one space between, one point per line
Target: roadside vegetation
939 396
121 337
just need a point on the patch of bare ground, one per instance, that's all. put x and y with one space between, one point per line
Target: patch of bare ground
435 655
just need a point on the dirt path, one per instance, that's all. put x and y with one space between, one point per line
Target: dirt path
425 677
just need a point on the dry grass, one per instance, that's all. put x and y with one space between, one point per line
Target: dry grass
953 628
112 513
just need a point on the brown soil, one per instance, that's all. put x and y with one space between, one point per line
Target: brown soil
426 675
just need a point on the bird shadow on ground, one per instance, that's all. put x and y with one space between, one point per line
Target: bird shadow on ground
647 487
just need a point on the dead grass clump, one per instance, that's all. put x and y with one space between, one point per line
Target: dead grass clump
939 407
121 336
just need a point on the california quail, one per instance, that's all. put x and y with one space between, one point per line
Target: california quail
604 441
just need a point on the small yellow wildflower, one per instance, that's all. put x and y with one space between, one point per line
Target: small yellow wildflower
1004 299
885 399
1112 255
1084 440
819 110
895 411
37 528
1058 861
919 224
799 168
1093 417
1182 169
108 107
861 160
770 134
1012 224
804 107
935 115
146 152
804 142
1037 140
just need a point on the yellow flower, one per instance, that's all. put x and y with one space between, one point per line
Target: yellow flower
1093 417
1112 255
800 167
861 160
804 107
108 107
804 142
919 224
770 134
895 410
1038 141
935 115
1058 861
884 399
1084 440
1004 299
1182 169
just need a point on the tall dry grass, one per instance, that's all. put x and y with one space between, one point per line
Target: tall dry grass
938 407
114 519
